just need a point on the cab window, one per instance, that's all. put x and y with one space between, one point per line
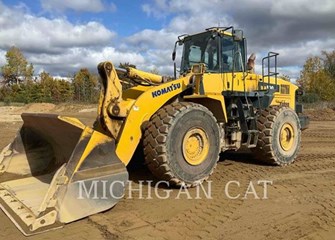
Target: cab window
232 55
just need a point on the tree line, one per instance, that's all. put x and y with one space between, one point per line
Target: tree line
317 77
20 85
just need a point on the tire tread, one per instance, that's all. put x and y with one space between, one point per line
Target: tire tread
155 140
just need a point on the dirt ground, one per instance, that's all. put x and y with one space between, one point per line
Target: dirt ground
300 202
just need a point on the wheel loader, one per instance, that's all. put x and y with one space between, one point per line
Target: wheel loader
182 124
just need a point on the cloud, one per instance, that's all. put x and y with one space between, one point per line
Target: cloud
158 8
157 45
57 45
77 5
295 29
304 8
71 60
150 39
39 34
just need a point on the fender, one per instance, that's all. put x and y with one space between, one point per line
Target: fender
144 107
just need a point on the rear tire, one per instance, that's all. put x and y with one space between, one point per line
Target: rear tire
182 143
279 136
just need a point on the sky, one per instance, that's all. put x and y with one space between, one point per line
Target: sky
61 37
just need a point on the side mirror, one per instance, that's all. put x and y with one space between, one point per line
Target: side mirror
238 35
173 55
174 51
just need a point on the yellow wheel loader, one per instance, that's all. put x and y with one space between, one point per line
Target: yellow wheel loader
65 171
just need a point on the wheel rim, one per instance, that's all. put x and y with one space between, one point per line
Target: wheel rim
195 146
287 137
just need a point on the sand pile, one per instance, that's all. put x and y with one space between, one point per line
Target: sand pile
36 108
325 114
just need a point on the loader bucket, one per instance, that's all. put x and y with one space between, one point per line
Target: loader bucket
64 171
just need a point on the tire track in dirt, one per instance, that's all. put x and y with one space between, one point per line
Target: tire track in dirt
327 134
319 212
78 230
204 218
306 171
301 202
306 184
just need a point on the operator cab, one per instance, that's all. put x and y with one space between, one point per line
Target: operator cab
220 51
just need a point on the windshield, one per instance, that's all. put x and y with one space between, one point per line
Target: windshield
201 48
205 48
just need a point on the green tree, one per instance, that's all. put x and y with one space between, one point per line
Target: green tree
54 90
17 67
47 86
85 86
315 78
63 90
329 63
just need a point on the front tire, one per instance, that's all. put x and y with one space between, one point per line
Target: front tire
182 143
279 136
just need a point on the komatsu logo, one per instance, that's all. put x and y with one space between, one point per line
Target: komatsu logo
162 91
